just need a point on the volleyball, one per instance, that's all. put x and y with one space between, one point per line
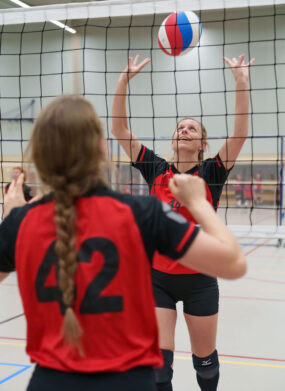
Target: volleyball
179 33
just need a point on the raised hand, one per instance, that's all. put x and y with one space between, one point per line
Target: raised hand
15 198
239 68
15 195
188 189
133 67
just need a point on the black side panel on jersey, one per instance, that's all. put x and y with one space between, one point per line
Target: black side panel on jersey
215 174
8 234
174 234
150 165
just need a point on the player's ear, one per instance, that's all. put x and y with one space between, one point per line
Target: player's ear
203 146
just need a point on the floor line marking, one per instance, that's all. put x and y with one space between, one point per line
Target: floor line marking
24 368
237 362
257 246
237 356
252 298
12 318
263 280
14 338
12 343
8 364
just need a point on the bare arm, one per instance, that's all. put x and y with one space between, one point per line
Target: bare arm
215 250
233 145
120 128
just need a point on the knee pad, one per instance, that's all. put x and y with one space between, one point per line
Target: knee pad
164 375
206 367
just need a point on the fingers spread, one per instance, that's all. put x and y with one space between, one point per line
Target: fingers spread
227 60
143 64
251 62
136 60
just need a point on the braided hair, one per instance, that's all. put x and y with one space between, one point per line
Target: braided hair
67 149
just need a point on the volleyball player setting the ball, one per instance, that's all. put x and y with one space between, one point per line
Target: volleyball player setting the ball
172 281
83 258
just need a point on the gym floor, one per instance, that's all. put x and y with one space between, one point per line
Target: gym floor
251 336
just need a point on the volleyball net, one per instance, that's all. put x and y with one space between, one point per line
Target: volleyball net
83 47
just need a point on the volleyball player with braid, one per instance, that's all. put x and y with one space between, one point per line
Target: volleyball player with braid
173 282
83 258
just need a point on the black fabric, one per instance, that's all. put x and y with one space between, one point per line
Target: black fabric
150 165
206 367
164 387
198 292
8 235
163 376
154 169
9 231
139 379
208 384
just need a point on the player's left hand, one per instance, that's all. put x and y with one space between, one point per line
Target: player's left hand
15 195
239 68
15 198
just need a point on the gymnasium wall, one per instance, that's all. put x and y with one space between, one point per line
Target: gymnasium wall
193 84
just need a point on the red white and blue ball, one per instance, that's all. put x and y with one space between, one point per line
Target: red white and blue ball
179 33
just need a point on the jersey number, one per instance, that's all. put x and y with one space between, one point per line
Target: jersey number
92 302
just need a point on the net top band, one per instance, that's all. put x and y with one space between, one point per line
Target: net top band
115 8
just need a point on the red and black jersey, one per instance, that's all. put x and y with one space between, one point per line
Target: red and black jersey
157 173
117 236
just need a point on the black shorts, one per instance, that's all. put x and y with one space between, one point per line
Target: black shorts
199 293
139 379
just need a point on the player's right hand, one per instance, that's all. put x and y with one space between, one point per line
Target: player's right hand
188 189
133 67
15 195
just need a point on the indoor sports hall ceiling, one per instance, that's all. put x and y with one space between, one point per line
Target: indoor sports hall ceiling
33 3
195 4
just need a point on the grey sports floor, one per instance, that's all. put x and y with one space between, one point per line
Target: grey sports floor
251 337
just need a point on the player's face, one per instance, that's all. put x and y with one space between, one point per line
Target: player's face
187 136
15 173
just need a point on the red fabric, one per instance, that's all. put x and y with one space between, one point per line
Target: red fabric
248 191
142 155
161 190
186 237
219 163
130 337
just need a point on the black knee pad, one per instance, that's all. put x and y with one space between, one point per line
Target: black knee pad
206 367
164 375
